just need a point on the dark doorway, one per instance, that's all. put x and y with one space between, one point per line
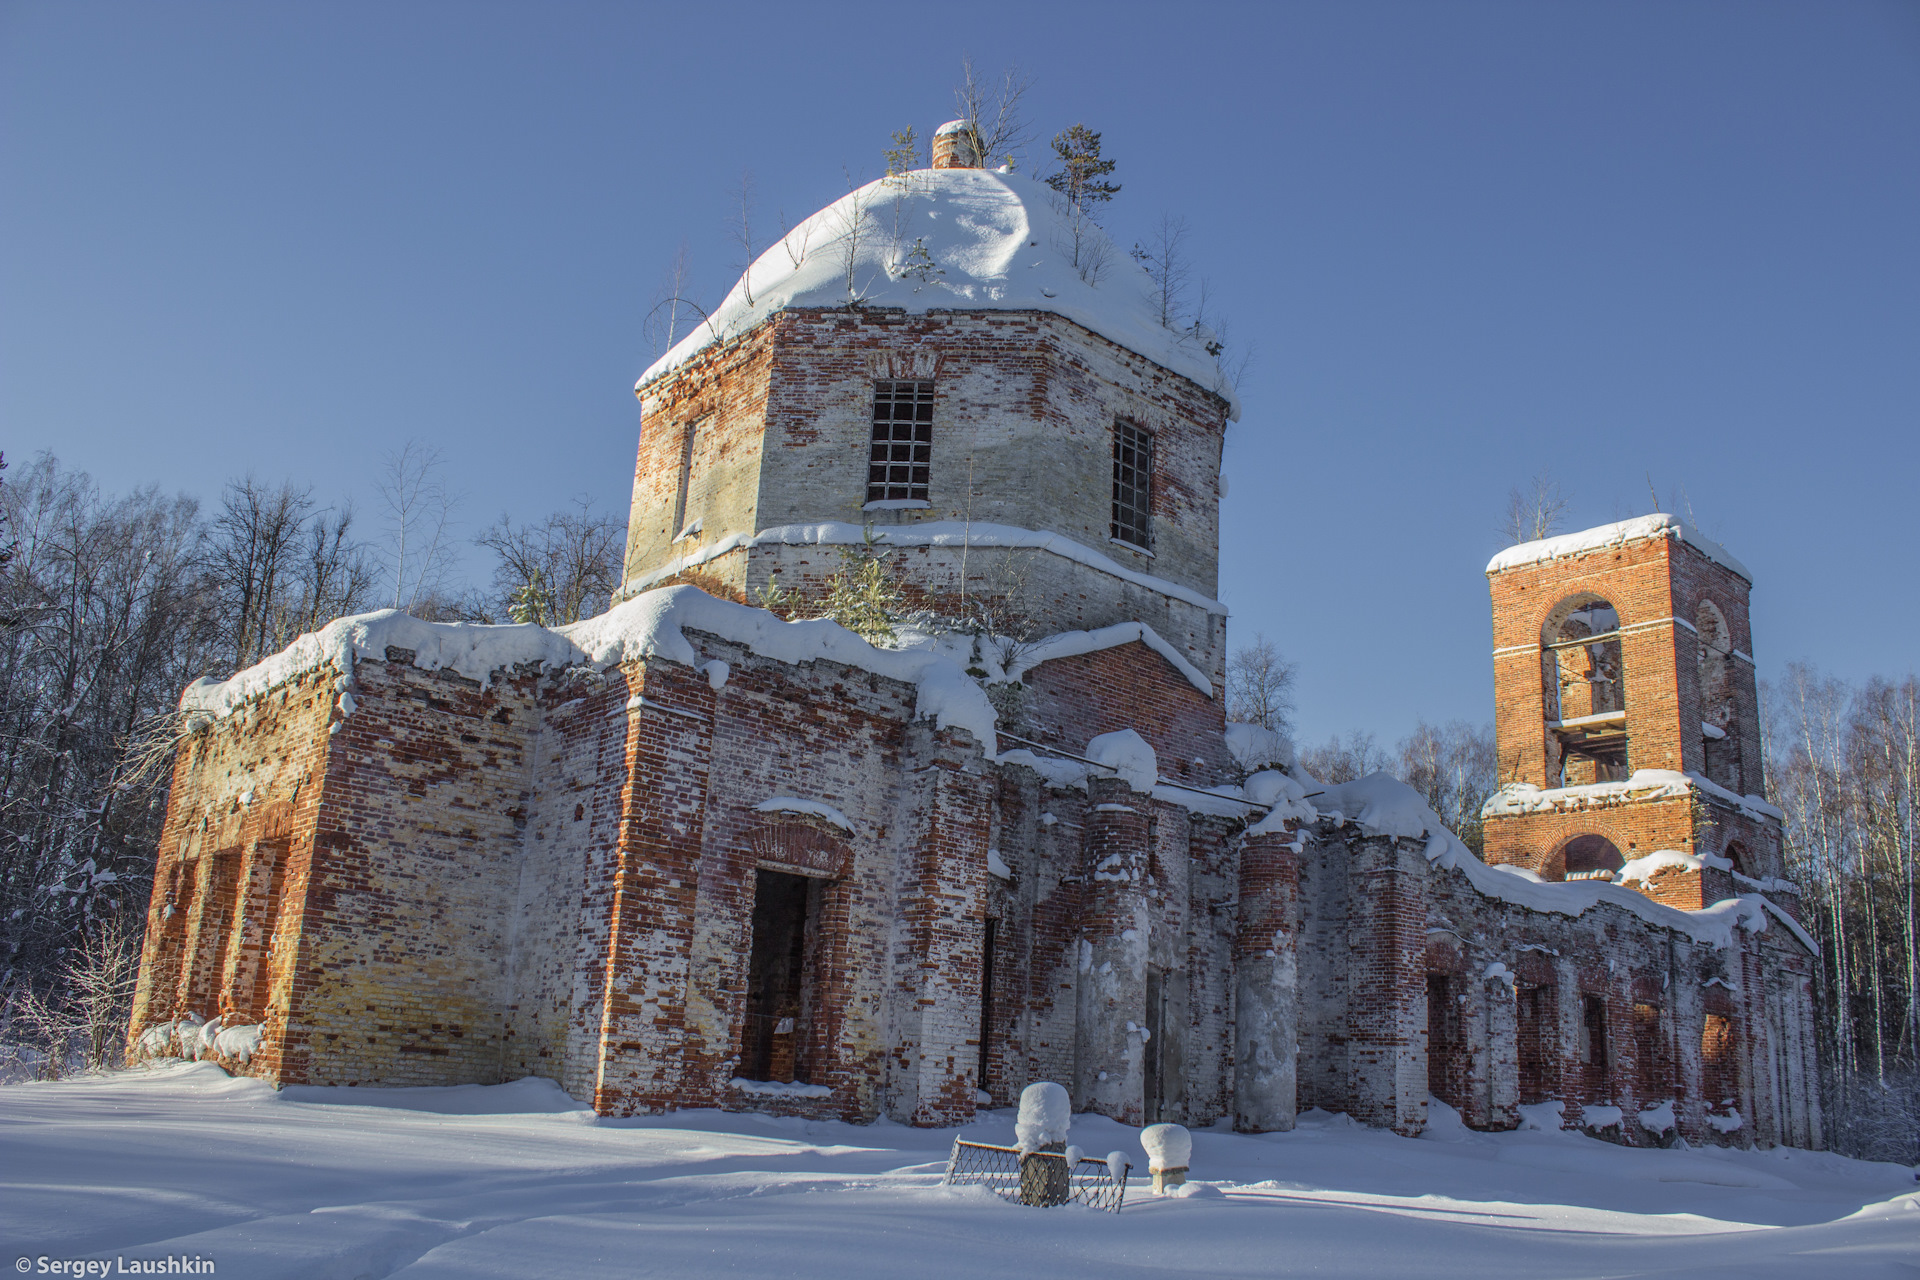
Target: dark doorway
986 1001
772 1043
1154 1060
1538 1033
1595 1059
1447 1064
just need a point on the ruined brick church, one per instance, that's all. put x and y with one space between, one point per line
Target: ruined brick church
687 854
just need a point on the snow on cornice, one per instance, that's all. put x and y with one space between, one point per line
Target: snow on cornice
993 241
1615 535
1645 784
934 533
651 625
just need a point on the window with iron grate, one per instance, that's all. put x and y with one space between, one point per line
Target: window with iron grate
1133 484
900 462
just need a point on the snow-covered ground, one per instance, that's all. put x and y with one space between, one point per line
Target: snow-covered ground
516 1181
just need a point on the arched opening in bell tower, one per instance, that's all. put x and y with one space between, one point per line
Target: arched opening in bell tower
1583 683
1719 713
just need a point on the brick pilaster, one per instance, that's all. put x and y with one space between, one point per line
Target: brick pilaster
1267 983
1115 923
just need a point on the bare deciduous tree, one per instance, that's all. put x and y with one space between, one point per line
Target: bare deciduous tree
994 112
79 1014
1164 256
1534 511
674 314
253 558
744 202
1260 685
111 612
557 571
1843 762
1453 767
1339 759
337 575
419 509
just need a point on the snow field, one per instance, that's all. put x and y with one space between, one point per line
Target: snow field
517 1180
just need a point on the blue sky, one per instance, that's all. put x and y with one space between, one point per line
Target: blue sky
1466 242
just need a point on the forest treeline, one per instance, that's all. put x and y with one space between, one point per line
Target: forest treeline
1843 762
112 604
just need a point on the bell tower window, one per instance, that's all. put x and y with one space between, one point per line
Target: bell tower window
899 464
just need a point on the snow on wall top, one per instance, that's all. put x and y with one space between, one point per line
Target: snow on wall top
995 241
1616 535
649 625
1644 784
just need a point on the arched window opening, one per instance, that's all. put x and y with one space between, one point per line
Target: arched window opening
1584 683
1719 714
1590 857
1742 860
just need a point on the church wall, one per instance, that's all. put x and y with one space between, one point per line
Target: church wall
1040 834
1654 988
578 775
1212 865
634 989
1115 923
1065 595
1635 827
891 928
938 932
1322 959
405 940
1735 762
721 395
1075 699
1023 422
230 876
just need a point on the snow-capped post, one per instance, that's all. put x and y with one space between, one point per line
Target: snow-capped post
1045 1115
1169 1147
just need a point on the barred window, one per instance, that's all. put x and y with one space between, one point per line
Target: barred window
902 454
1132 484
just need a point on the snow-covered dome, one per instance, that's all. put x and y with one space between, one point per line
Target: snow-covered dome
957 239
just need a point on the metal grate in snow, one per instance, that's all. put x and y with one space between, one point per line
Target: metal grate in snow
1040 1178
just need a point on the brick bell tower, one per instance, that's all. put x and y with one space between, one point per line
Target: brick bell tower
1626 713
